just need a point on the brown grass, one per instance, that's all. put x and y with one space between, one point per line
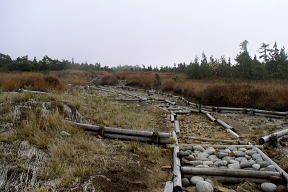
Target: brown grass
234 93
34 81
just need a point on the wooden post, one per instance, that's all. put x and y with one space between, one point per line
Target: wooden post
277 134
177 180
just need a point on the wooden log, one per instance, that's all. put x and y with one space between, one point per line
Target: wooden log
232 133
120 130
195 110
168 186
224 146
228 172
231 109
224 124
232 180
270 112
219 140
266 158
210 117
34 92
177 180
174 136
271 116
170 102
136 138
176 126
277 134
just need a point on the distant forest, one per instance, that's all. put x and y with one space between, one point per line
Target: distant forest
271 64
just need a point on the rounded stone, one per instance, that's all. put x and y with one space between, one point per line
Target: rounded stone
221 155
207 162
239 153
202 155
202 166
210 150
204 186
195 179
186 148
198 148
256 166
189 157
183 153
185 182
232 148
233 161
250 152
234 166
268 187
227 158
257 156
220 163
242 149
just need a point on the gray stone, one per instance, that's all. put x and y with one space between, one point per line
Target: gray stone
232 148
213 158
239 153
234 166
182 154
202 166
195 179
250 152
227 158
202 155
263 163
186 148
256 166
246 164
209 181
198 148
251 161
189 157
239 158
269 168
268 187
257 156
208 163
210 150
248 157
221 155
65 133
242 149
220 163
204 186
233 161
185 182
243 160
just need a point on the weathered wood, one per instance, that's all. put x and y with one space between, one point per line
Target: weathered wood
170 102
120 130
34 92
224 124
279 169
228 172
177 180
168 186
224 146
277 134
233 180
219 140
232 133
210 117
231 109
270 112
176 126
172 117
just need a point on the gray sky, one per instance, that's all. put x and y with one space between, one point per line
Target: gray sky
150 32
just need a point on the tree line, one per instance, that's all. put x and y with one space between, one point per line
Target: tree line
272 63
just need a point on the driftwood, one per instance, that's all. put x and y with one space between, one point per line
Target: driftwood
219 140
233 180
228 172
277 134
177 181
176 126
265 157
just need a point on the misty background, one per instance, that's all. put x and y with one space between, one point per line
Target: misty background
130 32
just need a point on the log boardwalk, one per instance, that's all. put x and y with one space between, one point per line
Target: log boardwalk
229 160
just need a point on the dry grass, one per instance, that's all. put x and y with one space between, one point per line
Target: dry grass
34 81
234 93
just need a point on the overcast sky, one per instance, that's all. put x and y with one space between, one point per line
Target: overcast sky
150 32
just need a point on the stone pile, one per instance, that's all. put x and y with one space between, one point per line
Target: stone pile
229 158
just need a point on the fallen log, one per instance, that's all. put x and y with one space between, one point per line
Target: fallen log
177 180
228 172
279 169
277 134
34 92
